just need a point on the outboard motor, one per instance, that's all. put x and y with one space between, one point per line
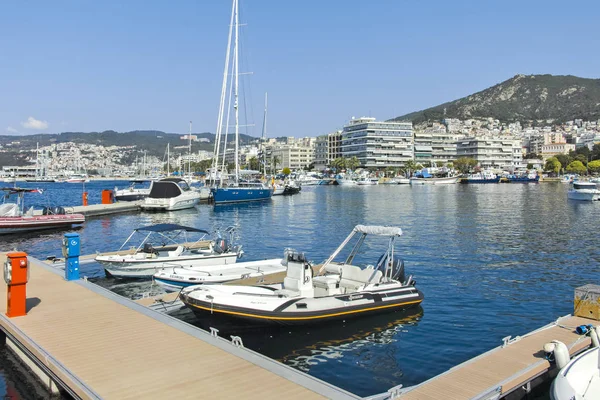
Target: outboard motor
398 273
220 246
58 211
148 248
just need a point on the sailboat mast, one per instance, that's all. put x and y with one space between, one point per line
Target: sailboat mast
190 152
262 142
37 158
236 89
218 132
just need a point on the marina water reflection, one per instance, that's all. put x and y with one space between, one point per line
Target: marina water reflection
491 261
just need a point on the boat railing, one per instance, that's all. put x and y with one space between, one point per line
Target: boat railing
178 266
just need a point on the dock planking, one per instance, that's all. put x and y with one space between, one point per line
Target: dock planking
101 345
505 368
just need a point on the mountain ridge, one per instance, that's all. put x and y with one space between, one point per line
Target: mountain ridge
523 98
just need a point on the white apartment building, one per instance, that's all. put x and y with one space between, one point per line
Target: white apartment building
327 149
378 144
435 144
294 156
493 152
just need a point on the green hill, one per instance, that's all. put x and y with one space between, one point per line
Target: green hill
523 98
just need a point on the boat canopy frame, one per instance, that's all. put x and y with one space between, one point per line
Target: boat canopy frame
364 230
159 229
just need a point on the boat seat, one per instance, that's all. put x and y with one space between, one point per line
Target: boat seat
333 268
326 281
177 252
354 278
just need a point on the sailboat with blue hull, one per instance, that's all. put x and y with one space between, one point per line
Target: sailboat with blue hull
240 194
234 189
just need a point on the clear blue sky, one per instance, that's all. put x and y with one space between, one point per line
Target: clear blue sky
85 65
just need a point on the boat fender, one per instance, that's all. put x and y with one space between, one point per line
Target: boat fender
583 329
561 354
594 337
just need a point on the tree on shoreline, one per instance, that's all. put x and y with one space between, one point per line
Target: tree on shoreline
465 164
552 165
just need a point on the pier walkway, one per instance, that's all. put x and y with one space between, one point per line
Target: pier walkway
97 344
504 369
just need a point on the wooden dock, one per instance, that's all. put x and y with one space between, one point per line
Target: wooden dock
96 344
503 370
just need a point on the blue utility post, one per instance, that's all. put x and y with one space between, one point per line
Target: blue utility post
71 253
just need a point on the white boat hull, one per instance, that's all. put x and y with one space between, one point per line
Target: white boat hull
262 304
579 379
346 182
175 278
172 204
584 194
130 268
433 181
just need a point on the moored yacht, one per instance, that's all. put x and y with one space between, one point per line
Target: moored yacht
170 194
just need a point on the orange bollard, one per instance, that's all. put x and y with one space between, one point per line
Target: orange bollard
85 198
16 275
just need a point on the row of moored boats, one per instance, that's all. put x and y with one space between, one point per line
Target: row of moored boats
304 293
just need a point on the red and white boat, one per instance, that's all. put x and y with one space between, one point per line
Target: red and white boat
13 218
78 178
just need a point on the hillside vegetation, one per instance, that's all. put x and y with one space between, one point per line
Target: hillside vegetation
524 98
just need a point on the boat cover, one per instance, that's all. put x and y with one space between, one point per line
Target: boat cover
378 230
169 227
164 190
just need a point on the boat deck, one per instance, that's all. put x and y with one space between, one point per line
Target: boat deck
503 369
100 345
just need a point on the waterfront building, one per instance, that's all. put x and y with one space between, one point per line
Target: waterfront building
327 149
493 152
551 150
378 144
435 144
297 155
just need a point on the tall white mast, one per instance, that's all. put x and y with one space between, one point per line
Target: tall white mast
219 130
262 142
190 152
235 89
37 158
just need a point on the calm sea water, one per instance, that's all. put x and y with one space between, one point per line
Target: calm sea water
491 260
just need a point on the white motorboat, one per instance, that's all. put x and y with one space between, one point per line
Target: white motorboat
170 194
400 180
367 181
173 278
344 180
175 248
132 193
583 191
78 178
339 291
579 379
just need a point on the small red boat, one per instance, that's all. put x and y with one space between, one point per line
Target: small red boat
13 218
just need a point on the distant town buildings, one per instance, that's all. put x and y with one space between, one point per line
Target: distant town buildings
375 144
